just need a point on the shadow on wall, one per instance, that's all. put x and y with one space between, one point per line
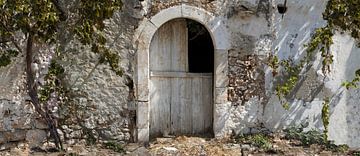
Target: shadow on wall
292 33
352 100
344 127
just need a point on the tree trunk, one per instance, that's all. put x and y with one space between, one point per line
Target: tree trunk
32 91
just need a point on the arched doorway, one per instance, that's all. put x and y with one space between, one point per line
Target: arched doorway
216 26
181 63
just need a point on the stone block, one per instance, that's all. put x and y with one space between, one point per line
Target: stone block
39 124
143 135
16 135
143 90
7 146
221 115
166 15
196 13
221 95
35 137
220 33
146 35
143 115
21 123
140 29
221 68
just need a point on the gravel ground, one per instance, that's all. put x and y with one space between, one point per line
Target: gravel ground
179 146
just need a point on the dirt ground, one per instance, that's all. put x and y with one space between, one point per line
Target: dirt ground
179 146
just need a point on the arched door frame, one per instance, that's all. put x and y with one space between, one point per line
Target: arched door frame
144 34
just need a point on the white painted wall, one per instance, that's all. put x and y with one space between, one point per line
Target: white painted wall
292 32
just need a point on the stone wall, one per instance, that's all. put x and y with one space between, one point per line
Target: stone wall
106 104
102 105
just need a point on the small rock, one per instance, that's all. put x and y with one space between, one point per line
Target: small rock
173 149
245 147
142 151
7 146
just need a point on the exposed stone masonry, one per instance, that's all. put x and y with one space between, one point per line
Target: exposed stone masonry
246 80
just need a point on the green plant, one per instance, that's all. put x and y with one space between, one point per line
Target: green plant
258 140
41 23
273 63
116 147
5 56
306 138
325 116
356 153
354 82
313 137
52 84
341 16
291 76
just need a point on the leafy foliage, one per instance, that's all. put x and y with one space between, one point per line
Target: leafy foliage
325 116
38 22
53 83
5 57
321 40
307 138
356 153
342 16
37 17
273 63
116 147
313 137
354 82
291 73
92 15
258 140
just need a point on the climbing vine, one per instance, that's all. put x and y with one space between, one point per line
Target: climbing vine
325 116
320 41
38 21
341 15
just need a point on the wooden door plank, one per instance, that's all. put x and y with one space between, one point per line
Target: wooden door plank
196 107
207 102
179 74
160 106
179 50
186 108
164 114
160 50
169 47
175 108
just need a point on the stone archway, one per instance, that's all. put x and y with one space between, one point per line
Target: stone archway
145 33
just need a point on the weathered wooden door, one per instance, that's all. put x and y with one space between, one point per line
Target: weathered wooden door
180 102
